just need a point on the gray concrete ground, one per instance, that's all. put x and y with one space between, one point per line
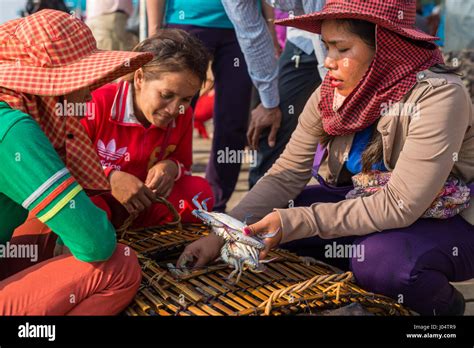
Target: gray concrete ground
201 155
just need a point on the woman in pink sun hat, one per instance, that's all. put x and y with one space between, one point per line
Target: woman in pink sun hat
389 136
142 129
48 62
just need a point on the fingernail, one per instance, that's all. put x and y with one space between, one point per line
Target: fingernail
247 231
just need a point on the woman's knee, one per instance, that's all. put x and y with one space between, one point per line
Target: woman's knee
381 265
411 276
124 264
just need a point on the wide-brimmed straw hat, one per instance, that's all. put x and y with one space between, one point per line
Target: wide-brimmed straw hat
396 15
52 53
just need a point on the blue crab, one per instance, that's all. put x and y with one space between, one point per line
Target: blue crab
239 250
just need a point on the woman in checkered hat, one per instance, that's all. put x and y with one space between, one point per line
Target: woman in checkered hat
142 129
49 63
393 121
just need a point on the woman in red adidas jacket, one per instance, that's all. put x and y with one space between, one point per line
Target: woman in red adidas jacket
142 129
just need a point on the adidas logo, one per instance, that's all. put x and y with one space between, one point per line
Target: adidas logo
109 152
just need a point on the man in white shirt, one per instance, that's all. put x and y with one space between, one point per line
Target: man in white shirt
285 86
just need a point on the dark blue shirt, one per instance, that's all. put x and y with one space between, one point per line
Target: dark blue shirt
360 142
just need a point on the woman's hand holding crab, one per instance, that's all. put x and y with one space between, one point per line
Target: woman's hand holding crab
205 250
270 225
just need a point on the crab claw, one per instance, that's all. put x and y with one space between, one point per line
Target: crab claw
196 202
269 235
184 263
269 260
174 270
204 205
246 217
260 268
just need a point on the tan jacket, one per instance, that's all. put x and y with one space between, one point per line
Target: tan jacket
426 136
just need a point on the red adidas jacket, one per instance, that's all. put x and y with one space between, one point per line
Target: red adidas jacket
123 143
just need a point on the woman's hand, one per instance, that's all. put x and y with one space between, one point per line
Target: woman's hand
160 178
131 192
270 224
201 252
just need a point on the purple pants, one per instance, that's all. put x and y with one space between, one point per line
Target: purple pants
233 89
412 265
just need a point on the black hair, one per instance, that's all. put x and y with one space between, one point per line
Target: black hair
365 30
174 50
35 6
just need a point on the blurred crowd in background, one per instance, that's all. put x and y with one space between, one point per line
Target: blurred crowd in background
283 66
115 24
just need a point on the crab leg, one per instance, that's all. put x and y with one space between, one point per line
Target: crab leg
269 235
249 241
269 260
246 217
241 238
204 205
240 272
231 234
254 254
234 263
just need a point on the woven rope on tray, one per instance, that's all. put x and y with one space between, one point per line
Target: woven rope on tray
131 218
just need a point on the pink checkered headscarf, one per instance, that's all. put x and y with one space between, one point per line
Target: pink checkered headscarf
402 51
389 77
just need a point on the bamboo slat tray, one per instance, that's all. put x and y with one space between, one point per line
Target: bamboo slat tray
290 285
